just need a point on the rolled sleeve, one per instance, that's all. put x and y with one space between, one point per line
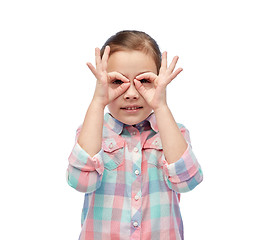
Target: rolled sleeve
85 172
80 159
185 174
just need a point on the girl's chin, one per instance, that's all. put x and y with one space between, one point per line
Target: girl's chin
131 120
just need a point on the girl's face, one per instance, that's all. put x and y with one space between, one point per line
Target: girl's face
130 108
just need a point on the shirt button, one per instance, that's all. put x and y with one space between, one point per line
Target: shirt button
135 224
134 133
111 145
135 149
136 172
136 197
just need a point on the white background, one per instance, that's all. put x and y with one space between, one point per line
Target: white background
46 88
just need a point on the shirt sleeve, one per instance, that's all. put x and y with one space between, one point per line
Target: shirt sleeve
185 174
84 172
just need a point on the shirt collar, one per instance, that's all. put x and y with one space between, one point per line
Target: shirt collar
113 123
118 126
153 122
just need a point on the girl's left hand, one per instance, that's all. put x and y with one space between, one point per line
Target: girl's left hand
155 95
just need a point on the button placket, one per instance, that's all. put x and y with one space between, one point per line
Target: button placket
136 158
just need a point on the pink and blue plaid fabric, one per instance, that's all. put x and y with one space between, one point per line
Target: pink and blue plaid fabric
131 192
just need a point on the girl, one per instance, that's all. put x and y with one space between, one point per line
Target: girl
132 162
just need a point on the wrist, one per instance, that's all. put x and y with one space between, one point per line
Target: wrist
98 104
161 108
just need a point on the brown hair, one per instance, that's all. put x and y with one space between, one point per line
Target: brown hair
134 40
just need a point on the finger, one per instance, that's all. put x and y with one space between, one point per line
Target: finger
117 75
98 60
175 74
105 57
173 64
92 68
149 75
163 62
115 93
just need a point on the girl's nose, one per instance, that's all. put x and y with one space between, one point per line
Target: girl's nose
131 92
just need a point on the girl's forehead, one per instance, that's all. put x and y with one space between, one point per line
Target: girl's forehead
137 61
131 53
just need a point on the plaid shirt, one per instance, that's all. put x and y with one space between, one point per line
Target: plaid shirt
131 191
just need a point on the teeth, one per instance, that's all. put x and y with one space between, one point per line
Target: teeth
132 108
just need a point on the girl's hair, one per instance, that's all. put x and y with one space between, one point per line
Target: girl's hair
134 40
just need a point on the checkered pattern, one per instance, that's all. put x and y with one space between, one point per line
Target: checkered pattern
131 192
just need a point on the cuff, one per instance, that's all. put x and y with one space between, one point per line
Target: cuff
183 169
80 159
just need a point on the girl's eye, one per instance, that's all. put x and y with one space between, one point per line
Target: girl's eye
144 81
117 81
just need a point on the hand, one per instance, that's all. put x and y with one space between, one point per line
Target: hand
104 94
154 90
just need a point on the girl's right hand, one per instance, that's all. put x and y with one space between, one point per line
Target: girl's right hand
103 93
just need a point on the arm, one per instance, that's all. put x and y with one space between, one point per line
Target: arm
181 167
85 162
92 128
173 142
93 122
